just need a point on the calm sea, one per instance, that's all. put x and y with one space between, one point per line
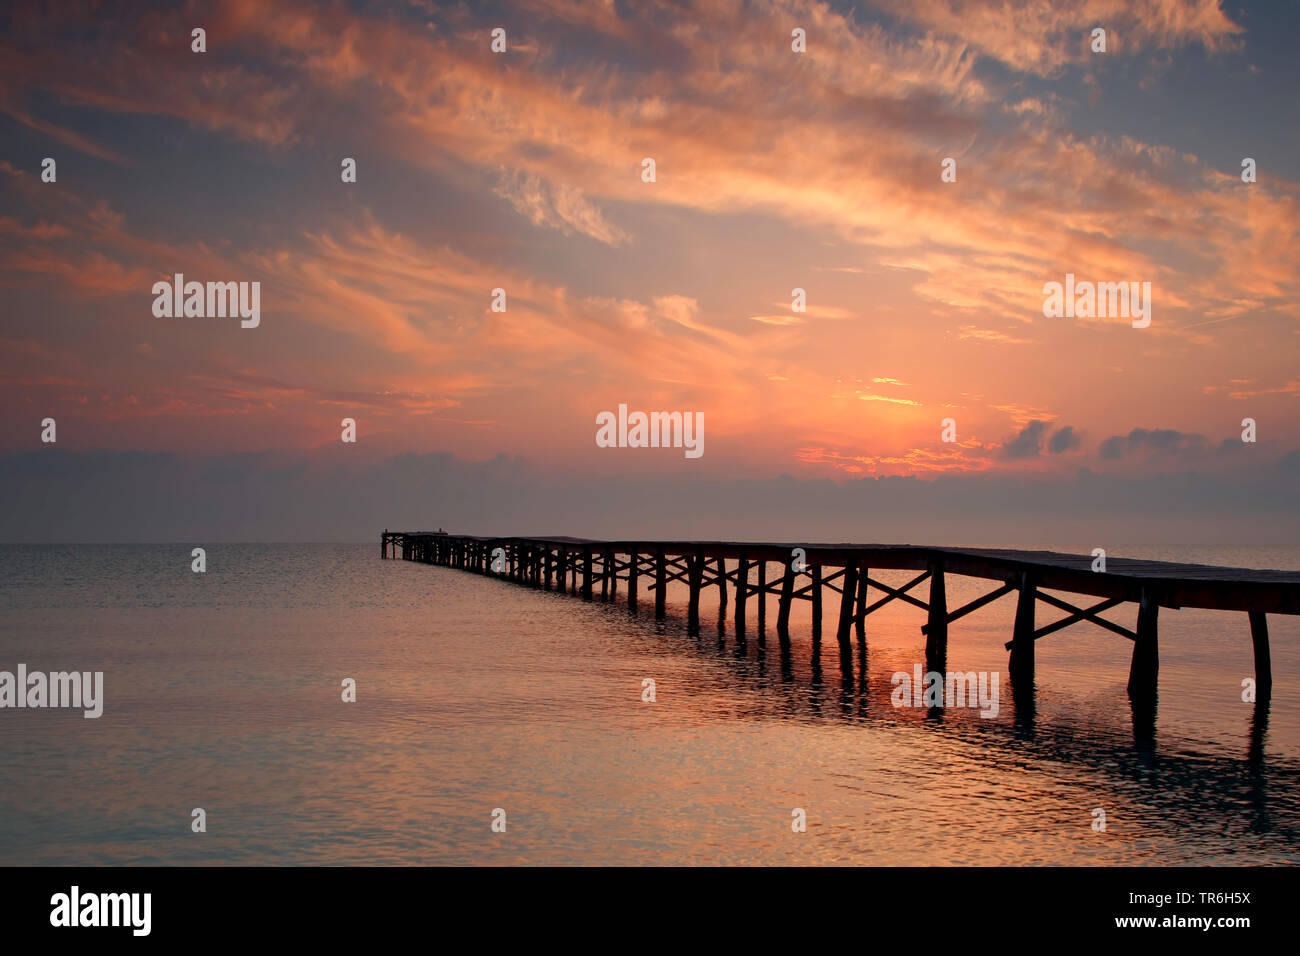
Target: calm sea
223 691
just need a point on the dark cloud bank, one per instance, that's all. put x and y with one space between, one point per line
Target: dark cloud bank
57 496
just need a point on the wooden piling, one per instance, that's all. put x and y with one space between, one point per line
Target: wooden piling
848 594
632 571
1263 664
1021 664
695 575
783 607
936 636
1144 671
722 593
762 597
661 584
587 572
860 612
816 573
742 592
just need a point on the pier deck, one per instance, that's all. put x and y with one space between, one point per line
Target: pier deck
739 570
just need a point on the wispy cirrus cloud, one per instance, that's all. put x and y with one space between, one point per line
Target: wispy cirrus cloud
522 171
1039 36
558 207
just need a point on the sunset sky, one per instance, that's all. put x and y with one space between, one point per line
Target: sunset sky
774 170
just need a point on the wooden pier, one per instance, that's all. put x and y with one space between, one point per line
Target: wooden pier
580 566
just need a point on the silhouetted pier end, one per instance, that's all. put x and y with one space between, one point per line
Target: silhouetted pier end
739 573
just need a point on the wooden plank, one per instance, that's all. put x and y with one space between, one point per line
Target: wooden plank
899 593
976 604
1089 614
1084 614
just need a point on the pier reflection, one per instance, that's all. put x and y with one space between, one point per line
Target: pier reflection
1173 776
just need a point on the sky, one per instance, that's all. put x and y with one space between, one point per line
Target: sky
774 170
